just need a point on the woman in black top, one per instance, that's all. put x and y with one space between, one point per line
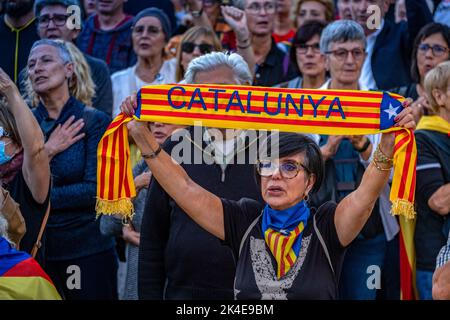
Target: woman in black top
282 251
24 164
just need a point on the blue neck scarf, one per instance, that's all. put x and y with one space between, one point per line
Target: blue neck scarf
282 230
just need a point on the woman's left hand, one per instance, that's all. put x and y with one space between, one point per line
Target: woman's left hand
404 119
7 86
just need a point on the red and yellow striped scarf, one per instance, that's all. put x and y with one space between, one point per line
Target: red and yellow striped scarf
281 246
331 112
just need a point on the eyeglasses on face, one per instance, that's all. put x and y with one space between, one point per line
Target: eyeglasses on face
288 169
255 8
151 30
342 54
58 19
189 47
436 49
303 48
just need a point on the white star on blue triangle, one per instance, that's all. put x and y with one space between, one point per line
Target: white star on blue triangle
390 107
392 112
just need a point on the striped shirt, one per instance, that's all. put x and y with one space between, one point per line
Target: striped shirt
444 254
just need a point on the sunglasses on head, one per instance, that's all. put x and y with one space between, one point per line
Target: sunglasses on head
189 47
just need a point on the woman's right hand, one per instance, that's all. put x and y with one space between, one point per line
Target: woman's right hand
7 86
64 136
129 105
130 235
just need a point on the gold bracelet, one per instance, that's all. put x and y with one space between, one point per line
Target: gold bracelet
379 156
375 163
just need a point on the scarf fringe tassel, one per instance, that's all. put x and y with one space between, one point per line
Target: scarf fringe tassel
404 208
123 207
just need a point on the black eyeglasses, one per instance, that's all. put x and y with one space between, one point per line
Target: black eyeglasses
189 47
303 48
288 169
151 30
58 19
436 49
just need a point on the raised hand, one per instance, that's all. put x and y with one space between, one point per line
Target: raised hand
404 119
7 86
237 20
129 105
64 136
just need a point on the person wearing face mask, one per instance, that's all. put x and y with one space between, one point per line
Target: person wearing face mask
24 164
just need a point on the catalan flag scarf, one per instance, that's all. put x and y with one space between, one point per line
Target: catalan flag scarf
21 277
331 112
282 230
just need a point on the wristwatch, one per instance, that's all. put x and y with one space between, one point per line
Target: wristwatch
197 14
365 146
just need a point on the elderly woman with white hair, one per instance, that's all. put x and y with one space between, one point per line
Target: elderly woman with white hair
344 45
308 263
73 235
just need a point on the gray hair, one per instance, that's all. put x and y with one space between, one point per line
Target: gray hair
4 228
63 53
214 60
341 31
40 4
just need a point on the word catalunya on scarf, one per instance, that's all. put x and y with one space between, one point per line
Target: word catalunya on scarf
294 110
329 112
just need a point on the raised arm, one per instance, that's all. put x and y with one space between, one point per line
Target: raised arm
237 20
35 168
201 205
354 210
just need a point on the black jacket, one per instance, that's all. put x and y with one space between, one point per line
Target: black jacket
175 249
391 58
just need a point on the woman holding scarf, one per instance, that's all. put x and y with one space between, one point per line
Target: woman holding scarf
283 250
24 166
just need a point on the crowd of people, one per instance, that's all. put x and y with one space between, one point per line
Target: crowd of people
203 230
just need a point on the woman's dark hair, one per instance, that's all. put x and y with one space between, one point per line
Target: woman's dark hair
305 33
293 143
425 32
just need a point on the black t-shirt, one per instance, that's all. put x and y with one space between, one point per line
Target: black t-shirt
15 47
275 69
311 277
32 212
433 171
